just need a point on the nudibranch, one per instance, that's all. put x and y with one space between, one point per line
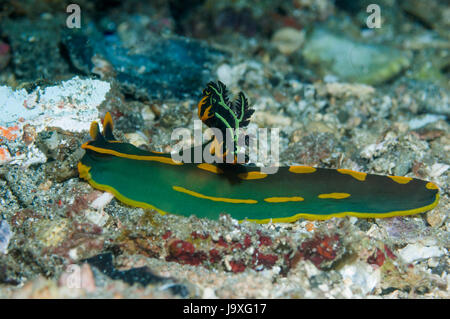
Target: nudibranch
153 180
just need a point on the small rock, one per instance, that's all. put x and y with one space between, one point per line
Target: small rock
52 232
438 169
349 90
437 216
101 201
5 236
422 121
433 262
166 67
209 293
265 119
288 40
352 61
230 75
224 74
137 138
415 252
98 217
361 275
147 114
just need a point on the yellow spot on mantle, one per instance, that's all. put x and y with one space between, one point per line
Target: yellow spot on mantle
216 199
301 169
401 179
431 185
357 175
210 168
284 199
334 195
252 175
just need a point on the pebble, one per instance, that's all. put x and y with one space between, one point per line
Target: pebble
437 216
438 169
5 236
353 61
422 121
163 67
349 90
101 201
98 217
415 252
52 232
288 40
137 138
209 293
266 119
147 114
361 275
230 75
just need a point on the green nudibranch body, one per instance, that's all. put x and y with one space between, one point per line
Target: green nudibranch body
153 180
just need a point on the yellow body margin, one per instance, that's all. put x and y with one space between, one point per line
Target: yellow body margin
294 218
84 173
161 159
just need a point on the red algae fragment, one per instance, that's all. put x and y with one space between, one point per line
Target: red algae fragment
377 258
266 260
166 235
264 240
214 256
320 249
222 242
389 252
237 266
196 235
184 252
247 241
179 247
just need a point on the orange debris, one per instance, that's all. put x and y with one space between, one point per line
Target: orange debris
309 227
4 155
8 132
